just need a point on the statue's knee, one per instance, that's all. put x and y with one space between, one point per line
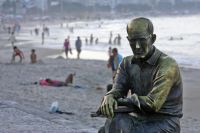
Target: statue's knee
102 130
121 122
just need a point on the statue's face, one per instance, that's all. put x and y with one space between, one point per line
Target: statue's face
141 46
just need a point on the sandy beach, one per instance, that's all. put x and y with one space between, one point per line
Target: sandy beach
24 107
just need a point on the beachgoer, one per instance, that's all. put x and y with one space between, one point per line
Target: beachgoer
115 40
78 47
9 29
57 83
110 38
114 61
36 31
110 51
155 83
43 36
118 39
33 56
91 39
66 47
86 41
96 40
50 82
12 39
47 31
17 52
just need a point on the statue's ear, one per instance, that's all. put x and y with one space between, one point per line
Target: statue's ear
153 38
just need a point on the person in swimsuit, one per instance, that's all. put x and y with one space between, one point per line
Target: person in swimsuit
57 83
17 52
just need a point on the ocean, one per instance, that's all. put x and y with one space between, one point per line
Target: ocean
177 36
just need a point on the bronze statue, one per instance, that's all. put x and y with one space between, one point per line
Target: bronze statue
155 83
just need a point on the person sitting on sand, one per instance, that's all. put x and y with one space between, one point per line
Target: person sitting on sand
33 56
57 83
17 52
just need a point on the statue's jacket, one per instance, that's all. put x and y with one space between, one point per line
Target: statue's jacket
155 84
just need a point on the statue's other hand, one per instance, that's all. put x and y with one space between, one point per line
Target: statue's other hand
108 105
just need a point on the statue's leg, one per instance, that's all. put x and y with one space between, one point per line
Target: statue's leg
102 130
125 123
122 123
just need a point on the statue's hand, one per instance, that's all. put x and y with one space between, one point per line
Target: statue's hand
130 102
125 102
108 105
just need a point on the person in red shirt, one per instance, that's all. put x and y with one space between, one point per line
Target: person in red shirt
17 52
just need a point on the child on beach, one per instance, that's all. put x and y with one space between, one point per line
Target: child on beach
33 56
17 52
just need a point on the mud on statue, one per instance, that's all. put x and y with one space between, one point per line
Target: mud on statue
155 83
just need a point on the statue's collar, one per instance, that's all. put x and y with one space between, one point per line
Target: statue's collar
152 60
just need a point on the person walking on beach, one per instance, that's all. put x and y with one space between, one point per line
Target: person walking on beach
67 47
12 39
33 56
86 41
155 83
110 38
36 31
119 39
43 36
78 47
17 52
96 40
91 39
110 52
114 61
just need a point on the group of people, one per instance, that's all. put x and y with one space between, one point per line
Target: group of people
45 32
11 28
116 40
67 46
18 53
91 40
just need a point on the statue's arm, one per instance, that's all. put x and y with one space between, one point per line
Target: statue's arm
121 82
166 76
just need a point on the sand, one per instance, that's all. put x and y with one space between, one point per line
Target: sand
24 107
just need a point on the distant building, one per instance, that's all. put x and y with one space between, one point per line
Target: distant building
190 0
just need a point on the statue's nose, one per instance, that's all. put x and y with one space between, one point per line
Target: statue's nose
137 45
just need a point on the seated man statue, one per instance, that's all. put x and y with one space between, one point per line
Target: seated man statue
155 83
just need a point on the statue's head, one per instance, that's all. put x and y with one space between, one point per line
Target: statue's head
140 36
